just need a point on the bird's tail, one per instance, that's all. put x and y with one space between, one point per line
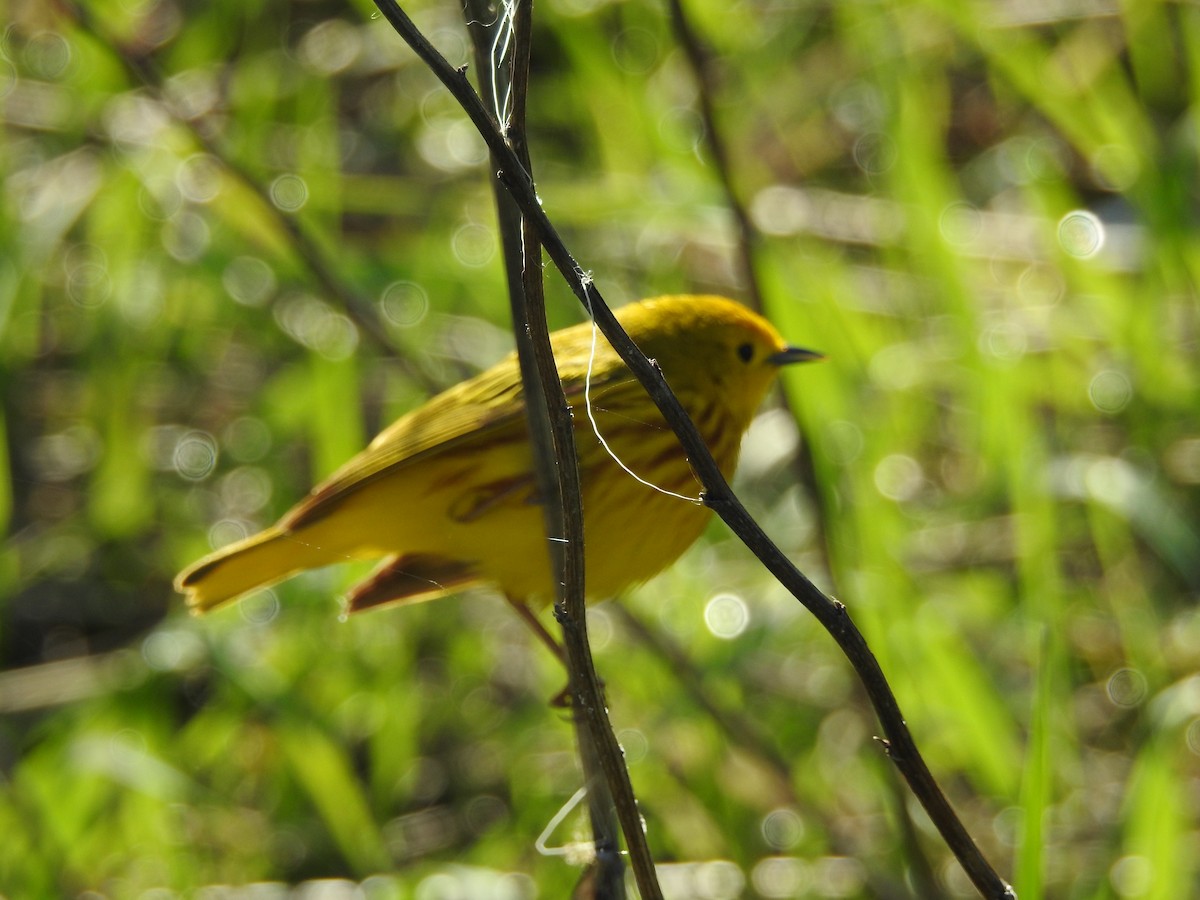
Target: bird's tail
260 560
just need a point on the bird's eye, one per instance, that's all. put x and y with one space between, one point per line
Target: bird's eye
745 352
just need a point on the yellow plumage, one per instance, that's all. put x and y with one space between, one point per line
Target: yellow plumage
446 496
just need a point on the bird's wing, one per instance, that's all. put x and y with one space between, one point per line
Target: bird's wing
482 411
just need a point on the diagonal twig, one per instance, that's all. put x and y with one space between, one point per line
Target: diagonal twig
503 75
749 243
144 71
743 732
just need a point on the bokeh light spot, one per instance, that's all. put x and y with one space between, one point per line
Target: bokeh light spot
47 54
199 178
195 455
331 46
782 829
899 477
1004 340
186 237
1110 391
960 224
66 454
1127 687
260 607
1040 285
314 324
289 193
875 153
245 490
633 744
726 616
404 303
451 144
89 285
473 245
1081 233
160 198
838 876
720 879
1131 876
227 531
780 876
249 280
172 650
1193 736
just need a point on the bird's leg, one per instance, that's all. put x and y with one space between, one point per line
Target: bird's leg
535 624
561 700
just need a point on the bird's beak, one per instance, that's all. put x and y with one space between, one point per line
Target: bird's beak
790 355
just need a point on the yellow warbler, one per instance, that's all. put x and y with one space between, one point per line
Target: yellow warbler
447 495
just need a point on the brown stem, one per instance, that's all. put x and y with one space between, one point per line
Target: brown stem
553 440
747 235
748 242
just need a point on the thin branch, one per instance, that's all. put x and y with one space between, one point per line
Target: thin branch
556 465
718 496
698 59
749 243
743 732
144 71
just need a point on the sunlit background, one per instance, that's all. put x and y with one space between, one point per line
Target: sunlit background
239 238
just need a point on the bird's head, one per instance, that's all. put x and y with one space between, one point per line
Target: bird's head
713 348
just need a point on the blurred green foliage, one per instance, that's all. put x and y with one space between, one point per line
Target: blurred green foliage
984 213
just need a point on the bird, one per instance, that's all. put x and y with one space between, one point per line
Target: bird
446 497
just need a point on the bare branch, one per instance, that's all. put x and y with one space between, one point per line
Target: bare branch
748 241
504 74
